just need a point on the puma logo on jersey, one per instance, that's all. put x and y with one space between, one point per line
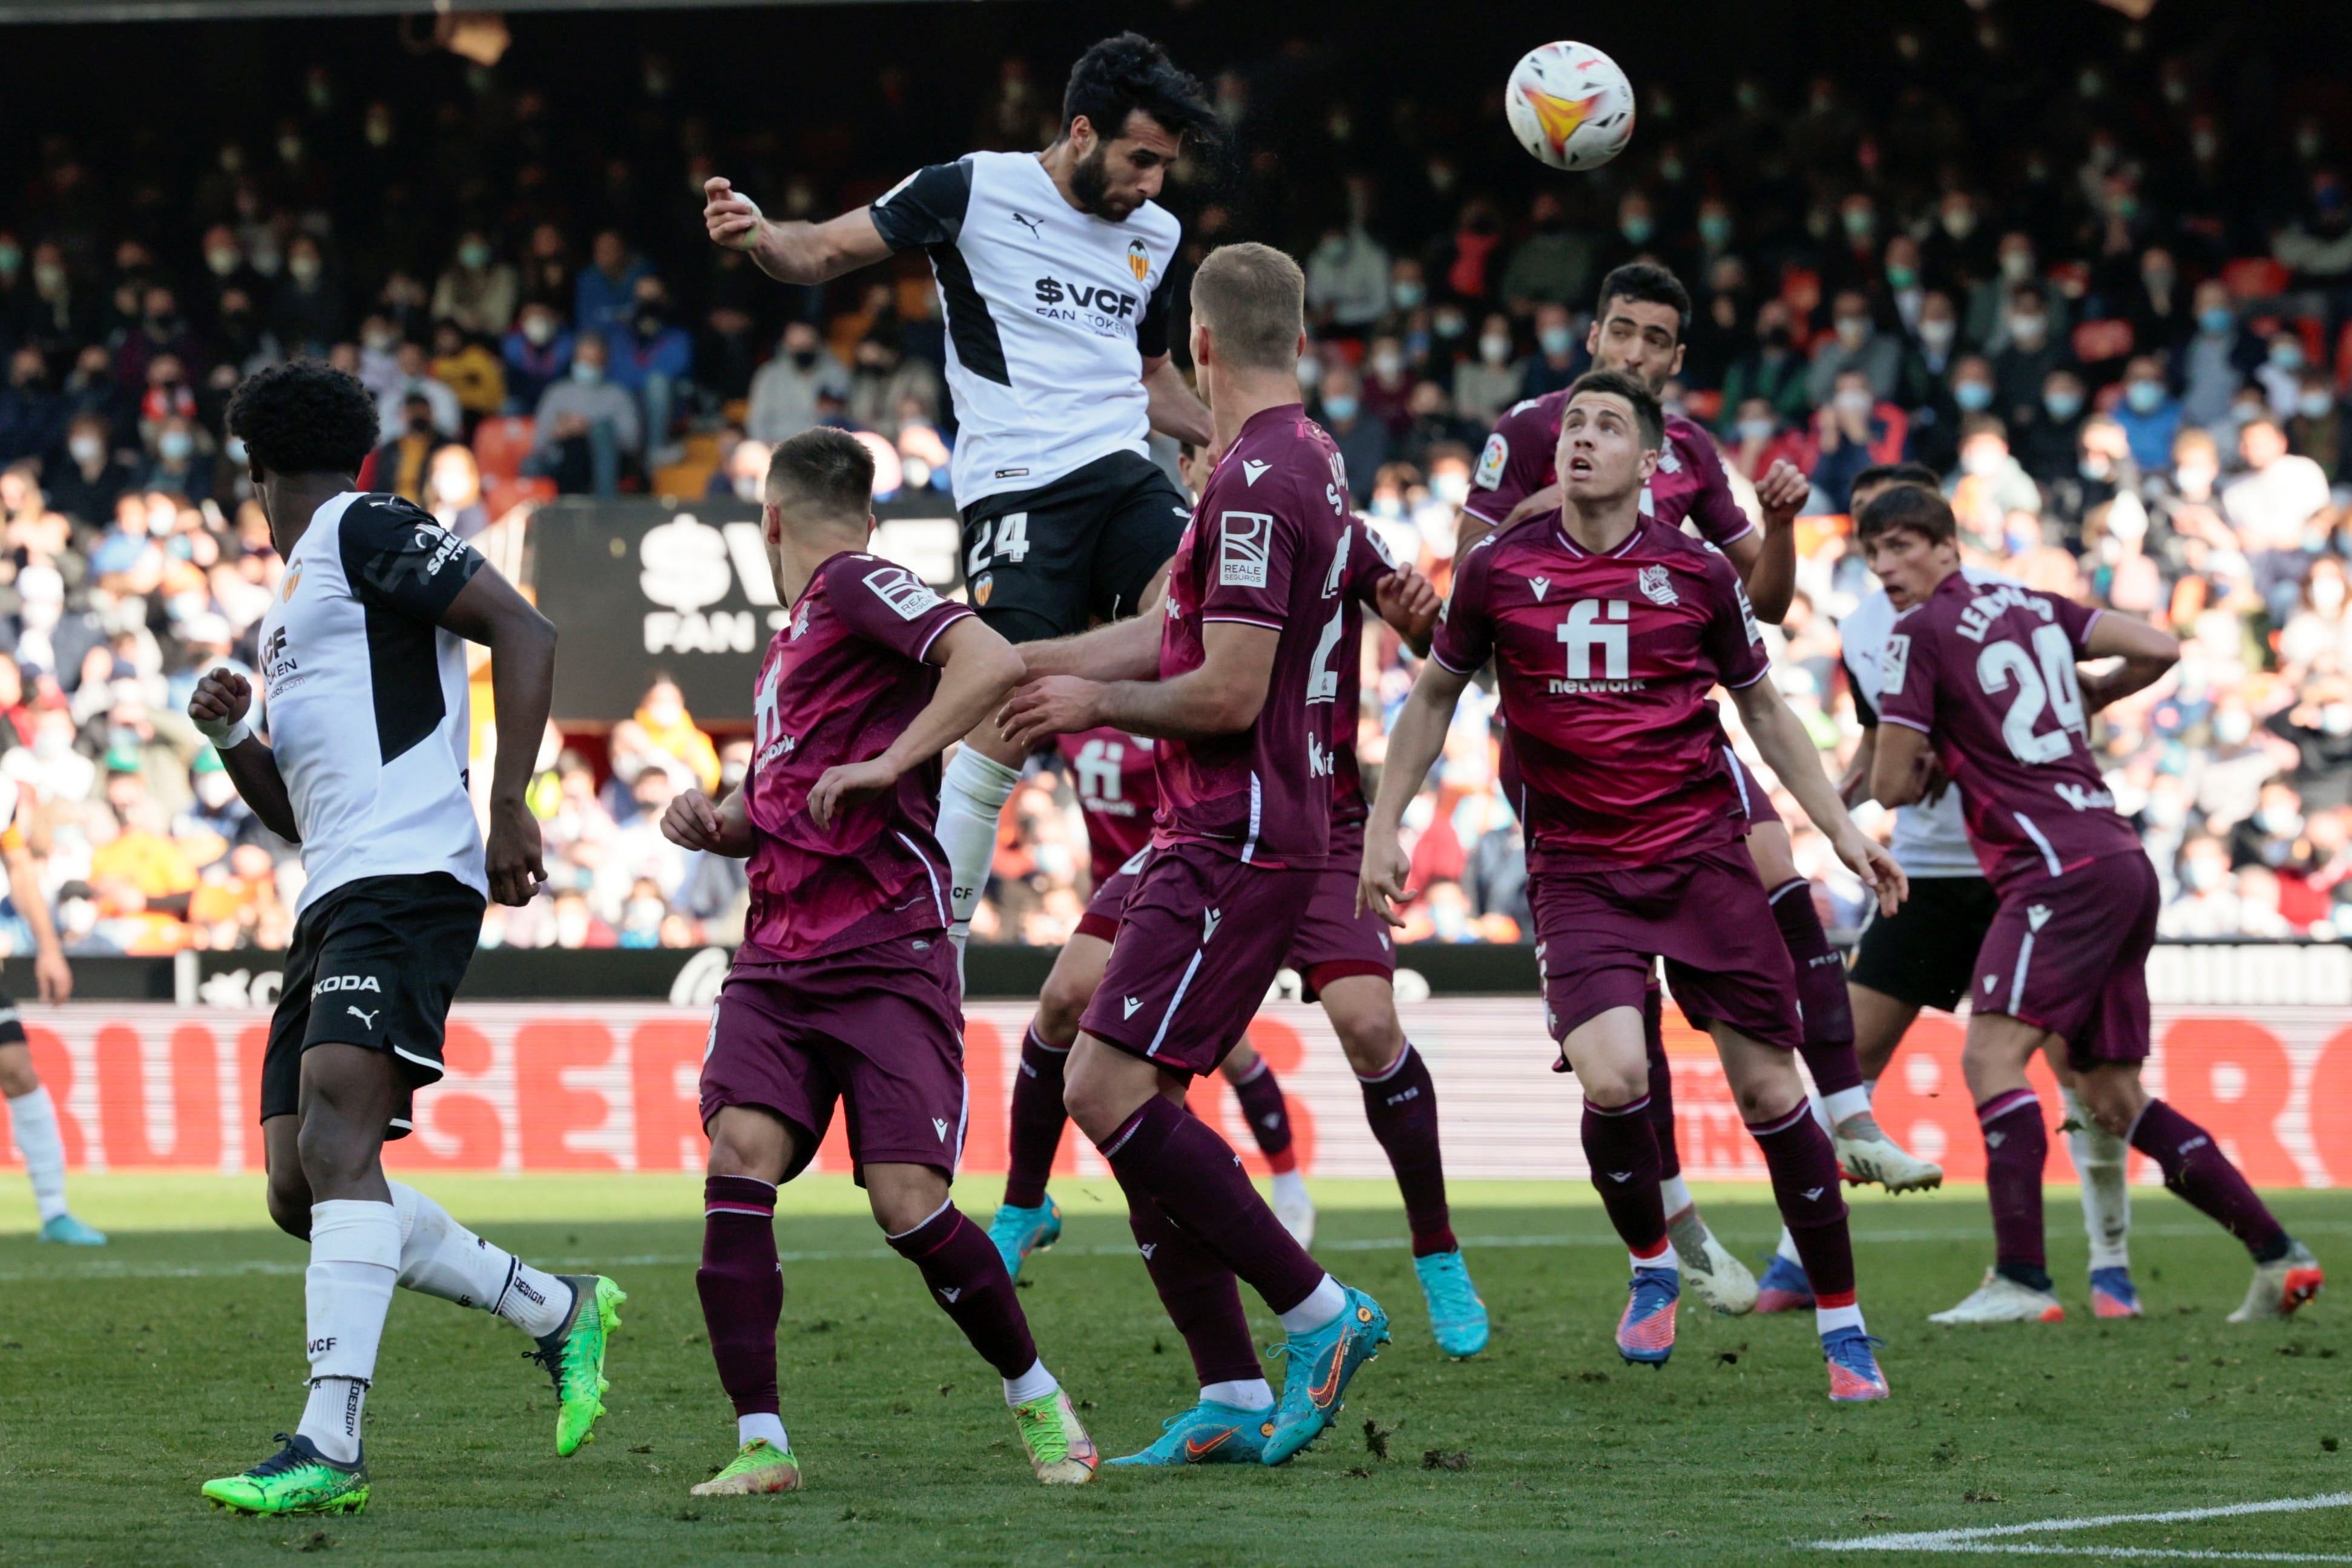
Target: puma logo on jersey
1209 920
1540 586
366 1019
1128 1006
939 1127
1252 468
2038 915
1034 226
1656 587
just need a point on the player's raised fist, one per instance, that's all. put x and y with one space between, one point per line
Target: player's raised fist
220 704
1782 493
692 821
732 219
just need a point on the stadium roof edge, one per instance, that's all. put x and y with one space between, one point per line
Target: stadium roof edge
228 10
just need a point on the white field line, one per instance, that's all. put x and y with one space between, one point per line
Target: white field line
1982 1539
102 1269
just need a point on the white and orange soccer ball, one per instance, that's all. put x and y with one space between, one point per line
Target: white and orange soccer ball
1569 105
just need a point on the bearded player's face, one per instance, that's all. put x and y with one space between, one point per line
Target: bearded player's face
1114 177
1639 336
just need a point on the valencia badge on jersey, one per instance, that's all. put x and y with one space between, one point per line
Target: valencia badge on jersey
982 586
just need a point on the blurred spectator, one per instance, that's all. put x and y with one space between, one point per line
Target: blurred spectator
1554 265
306 311
536 353
401 462
2150 415
882 380
784 391
1856 431
605 297
651 357
1347 280
1772 370
585 427
1854 343
744 473
467 368
1363 440
1487 382
670 729
475 293
413 377
86 486
453 491
2216 359
1556 360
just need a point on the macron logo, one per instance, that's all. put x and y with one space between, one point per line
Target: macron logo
1128 1004
1540 586
1209 920
1147 1249
1620 1175
1812 1193
2038 915
1251 469
949 1296
940 1127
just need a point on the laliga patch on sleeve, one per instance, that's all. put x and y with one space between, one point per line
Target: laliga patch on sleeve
1242 551
1896 660
1490 462
903 591
1748 613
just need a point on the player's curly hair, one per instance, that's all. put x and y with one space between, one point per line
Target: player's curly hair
1647 283
304 417
1128 72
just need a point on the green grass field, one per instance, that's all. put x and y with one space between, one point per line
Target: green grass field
129 1375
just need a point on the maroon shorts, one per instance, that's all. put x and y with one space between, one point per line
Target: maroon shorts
1597 931
1333 941
1752 793
1201 938
2069 954
1101 918
880 1027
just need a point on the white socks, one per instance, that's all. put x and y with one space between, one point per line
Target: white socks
751 1428
1242 1394
1669 1259
1033 1384
439 1257
1289 1186
33 1119
1321 1307
2099 1159
347 1290
1845 1105
972 793
1828 1320
1676 1193
1788 1247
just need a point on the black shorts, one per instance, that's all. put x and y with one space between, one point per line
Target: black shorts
376 963
1048 563
12 1022
1925 953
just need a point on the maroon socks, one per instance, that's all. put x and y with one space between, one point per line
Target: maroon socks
1805 1183
2195 1168
1199 1184
967 1278
1401 1106
1661 1084
1034 1135
2016 1148
1199 1293
1828 1048
1260 1094
1623 1153
742 1293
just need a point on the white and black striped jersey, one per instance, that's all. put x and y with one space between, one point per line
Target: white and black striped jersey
1050 312
368 713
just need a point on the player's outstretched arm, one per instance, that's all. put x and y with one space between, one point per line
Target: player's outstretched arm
2146 654
1788 751
1413 747
50 970
1221 697
221 700
791 252
977 667
1125 650
521 643
1171 406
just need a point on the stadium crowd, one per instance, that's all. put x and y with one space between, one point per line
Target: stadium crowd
2111 308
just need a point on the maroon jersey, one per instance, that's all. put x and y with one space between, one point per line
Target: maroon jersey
1689 482
1369 565
1605 665
1269 545
1987 672
1119 790
843 679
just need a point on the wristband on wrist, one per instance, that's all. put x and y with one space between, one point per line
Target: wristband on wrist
238 734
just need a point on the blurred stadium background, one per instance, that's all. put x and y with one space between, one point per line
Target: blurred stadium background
2091 263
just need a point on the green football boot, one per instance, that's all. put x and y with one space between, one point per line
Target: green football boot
574 1356
759 1467
297 1479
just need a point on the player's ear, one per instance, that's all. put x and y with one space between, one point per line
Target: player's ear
771 523
1677 368
1200 345
870 526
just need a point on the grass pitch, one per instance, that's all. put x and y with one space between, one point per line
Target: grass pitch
130 1375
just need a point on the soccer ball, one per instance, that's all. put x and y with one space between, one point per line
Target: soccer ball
1569 106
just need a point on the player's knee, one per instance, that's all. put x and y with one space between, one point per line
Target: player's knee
1059 1006
289 1208
1372 1040
17 1077
1612 1085
331 1153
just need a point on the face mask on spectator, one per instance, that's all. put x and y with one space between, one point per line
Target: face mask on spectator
1859 221
1636 228
2336 718
2313 404
1495 348
1388 505
2095 466
2218 319
221 259
1556 340
1938 332
476 257
86 448
49 276
2232 726
2145 396
1715 229
1388 364
1900 277
1974 397
2287 356
586 372
1342 407
1755 430
48 745
305 268
1853 329
1450 324
2017 265
2027 331
2279 821
176 445
1981 460
2062 405
1451 487
2203 874
1853 402
539 331
377 343
804 359
1409 296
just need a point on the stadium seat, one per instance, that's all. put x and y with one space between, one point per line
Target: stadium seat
2094 341
1703 406
2255 277
502 442
685 480
505 495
